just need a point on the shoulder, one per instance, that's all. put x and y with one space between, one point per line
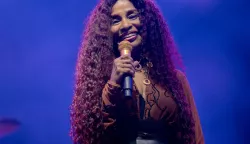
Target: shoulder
184 82
180 75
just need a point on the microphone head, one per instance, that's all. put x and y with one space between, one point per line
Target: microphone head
125 47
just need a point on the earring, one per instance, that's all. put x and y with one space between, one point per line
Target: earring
138 67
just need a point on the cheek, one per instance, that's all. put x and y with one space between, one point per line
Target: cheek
115 33
114 30
138 24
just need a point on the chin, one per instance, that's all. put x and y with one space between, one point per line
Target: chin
137 42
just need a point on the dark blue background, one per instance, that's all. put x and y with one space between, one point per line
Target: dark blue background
39 41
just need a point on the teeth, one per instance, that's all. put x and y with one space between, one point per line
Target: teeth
129 35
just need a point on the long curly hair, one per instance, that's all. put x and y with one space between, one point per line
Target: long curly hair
94 66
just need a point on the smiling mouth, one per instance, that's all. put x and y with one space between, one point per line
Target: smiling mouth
129 37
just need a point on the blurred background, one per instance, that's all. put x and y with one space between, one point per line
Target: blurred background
39 41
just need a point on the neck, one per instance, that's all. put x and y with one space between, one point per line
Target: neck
136 53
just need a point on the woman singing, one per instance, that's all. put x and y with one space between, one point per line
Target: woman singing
161 109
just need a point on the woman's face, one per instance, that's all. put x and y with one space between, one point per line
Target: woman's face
125 23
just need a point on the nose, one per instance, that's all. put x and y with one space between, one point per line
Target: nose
126 25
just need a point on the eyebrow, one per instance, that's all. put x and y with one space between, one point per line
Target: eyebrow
130 10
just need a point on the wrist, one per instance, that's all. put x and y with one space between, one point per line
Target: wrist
114 83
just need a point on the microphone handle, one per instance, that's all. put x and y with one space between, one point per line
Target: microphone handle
127 86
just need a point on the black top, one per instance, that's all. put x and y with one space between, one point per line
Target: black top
138 131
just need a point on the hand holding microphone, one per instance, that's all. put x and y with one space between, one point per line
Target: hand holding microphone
124 68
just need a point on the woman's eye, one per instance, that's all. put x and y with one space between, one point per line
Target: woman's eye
133 16
115 21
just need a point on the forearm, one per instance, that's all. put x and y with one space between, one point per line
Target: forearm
111 94
117 110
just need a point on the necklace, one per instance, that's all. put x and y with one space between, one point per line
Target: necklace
148 65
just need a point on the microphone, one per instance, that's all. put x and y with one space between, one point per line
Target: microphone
125 48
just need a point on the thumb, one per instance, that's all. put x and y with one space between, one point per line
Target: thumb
136 63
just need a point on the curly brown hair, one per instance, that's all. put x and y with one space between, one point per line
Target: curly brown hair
94 66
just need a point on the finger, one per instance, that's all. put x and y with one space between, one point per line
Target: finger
128 61
135 63
130 66
126 57
128 71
